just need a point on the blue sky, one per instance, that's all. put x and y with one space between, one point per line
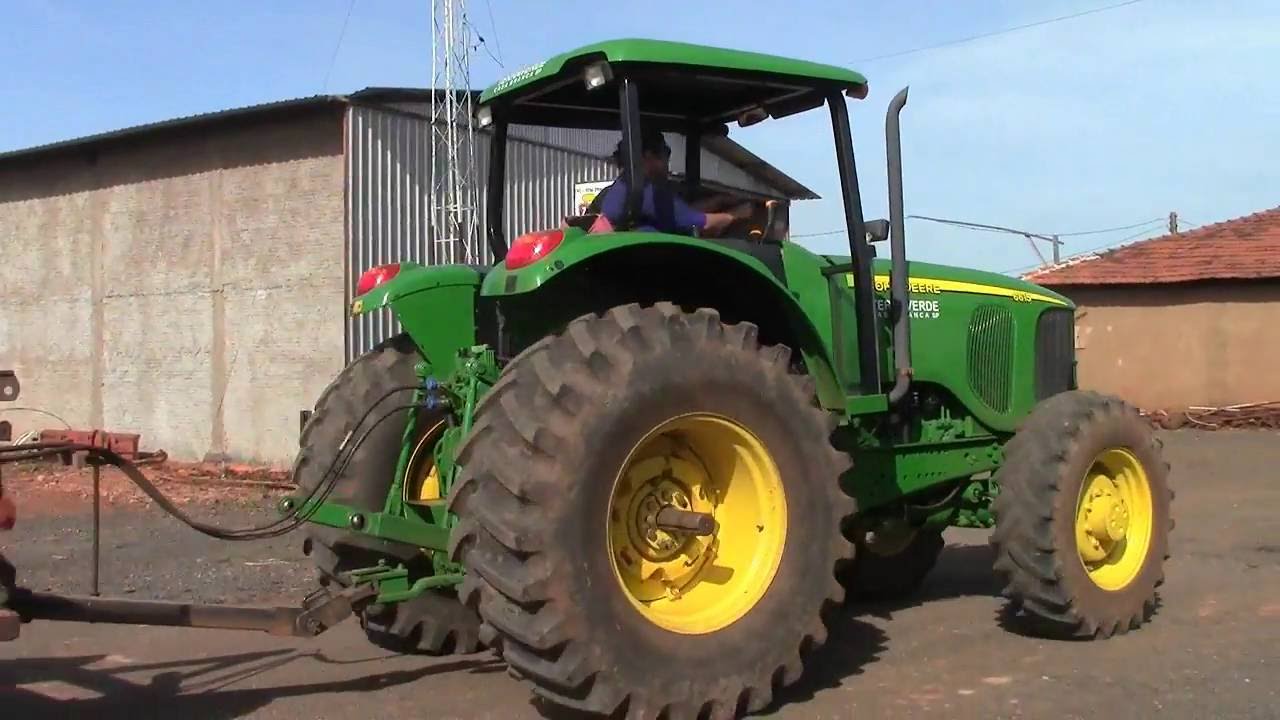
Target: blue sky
1109 119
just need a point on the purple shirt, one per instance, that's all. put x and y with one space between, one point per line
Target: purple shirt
614 206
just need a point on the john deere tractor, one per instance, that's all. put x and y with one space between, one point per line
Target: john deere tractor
647 468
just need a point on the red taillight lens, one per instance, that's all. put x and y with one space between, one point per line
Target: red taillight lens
375 276
533 246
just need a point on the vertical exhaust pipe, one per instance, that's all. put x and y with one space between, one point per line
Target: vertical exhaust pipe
898 246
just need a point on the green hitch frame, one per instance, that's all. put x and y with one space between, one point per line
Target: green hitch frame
427 525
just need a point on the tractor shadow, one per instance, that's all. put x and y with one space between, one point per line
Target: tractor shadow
963 570
196 688
854 642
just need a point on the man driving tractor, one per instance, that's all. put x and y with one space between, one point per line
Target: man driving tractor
663 210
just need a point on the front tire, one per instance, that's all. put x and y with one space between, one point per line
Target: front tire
1083 517
891 569
584 438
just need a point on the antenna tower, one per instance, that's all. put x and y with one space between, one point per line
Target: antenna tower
453 200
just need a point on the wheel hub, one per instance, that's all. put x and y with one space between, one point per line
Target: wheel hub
1106 516
655 542
1113 519
697 521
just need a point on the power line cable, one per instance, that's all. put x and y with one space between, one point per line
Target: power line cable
1003 31
820 234
493 27
1111 229
1104 246
1000 229
481 42
333 59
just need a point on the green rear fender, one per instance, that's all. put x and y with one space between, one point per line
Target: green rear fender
589 273
435 306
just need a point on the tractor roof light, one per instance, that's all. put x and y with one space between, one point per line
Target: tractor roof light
858 92
531 247
484 117
597 75
375 276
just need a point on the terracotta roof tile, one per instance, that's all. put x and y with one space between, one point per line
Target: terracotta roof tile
1246 248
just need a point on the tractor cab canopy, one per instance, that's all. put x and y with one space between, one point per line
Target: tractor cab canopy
646 85
684 87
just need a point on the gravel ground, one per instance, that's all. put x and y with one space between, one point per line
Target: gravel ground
1212 651
147 554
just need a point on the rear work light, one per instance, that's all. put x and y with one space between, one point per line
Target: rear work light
375 276
532 247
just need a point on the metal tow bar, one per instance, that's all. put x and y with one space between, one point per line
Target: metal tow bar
319 611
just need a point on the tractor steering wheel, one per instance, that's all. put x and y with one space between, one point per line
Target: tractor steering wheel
762 234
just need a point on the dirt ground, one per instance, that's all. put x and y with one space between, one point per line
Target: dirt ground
1212 651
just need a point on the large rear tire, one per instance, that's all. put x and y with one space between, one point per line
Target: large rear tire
585 437
376 383
1083 517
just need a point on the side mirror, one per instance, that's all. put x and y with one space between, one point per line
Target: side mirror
877 230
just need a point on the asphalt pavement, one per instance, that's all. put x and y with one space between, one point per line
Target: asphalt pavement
1212 650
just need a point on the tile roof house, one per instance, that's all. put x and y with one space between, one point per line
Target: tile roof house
1246 248
1186 319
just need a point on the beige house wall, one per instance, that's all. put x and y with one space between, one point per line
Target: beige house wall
1172 346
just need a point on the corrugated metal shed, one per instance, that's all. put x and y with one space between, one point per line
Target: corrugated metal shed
388 161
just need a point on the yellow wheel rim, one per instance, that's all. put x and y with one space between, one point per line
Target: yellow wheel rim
678 580
422 477
1114 519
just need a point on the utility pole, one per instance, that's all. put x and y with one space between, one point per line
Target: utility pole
1173 223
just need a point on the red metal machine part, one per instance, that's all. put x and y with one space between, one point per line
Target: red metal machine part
9 620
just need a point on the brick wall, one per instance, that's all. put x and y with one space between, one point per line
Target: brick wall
185 286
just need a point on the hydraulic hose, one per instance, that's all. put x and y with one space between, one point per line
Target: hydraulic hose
275 528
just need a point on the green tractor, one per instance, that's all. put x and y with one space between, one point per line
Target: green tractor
647 467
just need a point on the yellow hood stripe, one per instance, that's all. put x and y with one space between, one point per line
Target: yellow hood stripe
926 286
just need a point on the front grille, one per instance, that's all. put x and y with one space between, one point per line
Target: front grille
1055 352
991 355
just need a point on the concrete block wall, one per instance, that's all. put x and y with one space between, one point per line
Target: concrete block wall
187 287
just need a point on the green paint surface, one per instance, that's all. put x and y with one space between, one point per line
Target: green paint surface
672 53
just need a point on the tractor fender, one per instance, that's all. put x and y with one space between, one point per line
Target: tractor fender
434 304
647 267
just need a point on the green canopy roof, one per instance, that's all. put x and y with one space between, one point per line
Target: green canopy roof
673 53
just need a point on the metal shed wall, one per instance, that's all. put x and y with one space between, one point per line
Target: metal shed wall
388 158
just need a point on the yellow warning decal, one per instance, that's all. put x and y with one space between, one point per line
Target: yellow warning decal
933 286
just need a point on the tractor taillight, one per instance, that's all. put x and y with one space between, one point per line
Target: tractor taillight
375 276
531 247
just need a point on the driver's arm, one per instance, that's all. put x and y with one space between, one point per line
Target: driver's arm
717 222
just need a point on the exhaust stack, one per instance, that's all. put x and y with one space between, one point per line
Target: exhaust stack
900 304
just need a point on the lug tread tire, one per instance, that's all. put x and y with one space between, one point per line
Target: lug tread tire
1039 572
883 578
517 490
435 623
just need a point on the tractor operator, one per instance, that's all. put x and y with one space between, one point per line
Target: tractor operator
662 209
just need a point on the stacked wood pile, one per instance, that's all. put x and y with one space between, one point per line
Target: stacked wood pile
1245 415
